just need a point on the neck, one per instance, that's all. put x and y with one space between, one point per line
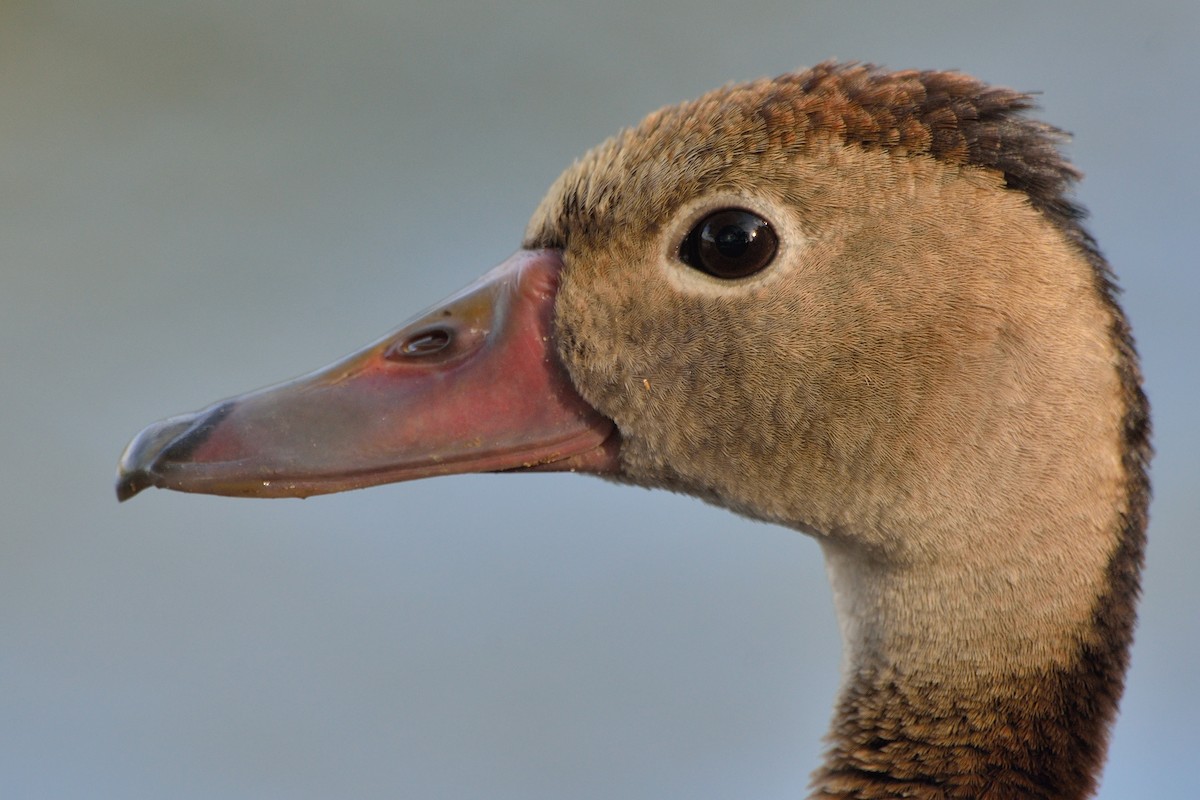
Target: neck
1006 691
1037 735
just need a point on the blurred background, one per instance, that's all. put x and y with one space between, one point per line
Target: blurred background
197 199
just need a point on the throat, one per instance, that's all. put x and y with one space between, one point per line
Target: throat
960 685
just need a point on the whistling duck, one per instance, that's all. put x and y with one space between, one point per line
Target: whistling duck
854 302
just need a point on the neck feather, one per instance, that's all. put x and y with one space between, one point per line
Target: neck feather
1033 732
993 674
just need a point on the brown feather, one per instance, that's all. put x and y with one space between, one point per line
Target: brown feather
933 378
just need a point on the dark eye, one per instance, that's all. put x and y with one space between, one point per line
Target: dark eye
731 243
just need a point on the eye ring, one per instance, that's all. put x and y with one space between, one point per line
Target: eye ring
730 243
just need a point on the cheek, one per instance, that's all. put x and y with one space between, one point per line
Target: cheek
591 332
626 341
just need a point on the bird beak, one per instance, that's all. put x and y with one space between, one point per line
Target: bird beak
472 385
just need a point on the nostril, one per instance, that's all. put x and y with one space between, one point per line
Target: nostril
425 343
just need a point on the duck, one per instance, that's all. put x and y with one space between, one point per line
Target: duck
856 302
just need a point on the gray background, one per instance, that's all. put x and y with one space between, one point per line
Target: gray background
197 199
